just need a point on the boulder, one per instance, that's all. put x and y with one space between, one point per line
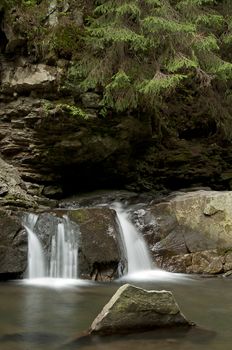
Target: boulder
13 247
191 232
100 254
133 309
100 249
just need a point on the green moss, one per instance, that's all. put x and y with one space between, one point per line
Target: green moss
73 110
66 39
79 216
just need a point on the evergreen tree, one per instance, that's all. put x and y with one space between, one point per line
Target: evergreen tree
138 51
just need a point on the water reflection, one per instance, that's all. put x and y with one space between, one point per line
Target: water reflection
44 318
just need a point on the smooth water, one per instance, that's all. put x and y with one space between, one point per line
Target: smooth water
137 253
36 260
64 252
44 318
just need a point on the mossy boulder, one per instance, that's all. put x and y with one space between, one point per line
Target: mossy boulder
132 309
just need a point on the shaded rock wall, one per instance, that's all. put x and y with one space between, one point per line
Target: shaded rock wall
13 247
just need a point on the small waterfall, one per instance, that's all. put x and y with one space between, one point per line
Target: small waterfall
36 260
64 252
138 256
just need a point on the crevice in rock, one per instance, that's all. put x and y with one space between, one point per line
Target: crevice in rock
3 38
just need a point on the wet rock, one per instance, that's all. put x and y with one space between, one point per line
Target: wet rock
100 246
133 309
100 254
13 248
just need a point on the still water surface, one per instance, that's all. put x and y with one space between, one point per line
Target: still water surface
46 318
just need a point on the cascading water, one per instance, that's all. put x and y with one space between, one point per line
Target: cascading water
138 257
64 252
36 260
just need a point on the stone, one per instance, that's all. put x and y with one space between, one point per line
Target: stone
13 189
91 100
23 77
100 252
207 262
99 234
133 309
197 224
228 261
13 247
52 191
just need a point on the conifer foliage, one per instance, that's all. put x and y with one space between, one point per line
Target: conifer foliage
138 51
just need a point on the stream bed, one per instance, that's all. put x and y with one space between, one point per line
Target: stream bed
52 316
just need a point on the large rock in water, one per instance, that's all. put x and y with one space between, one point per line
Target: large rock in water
133 309
13 247
191 232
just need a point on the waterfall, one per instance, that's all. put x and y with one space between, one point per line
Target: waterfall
137 253
36 260
64 252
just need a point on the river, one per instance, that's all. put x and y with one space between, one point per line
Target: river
47 317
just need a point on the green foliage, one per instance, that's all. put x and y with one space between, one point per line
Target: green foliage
160 83
8 4
70 109
140 50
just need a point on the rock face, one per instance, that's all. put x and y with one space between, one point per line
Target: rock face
133 309
100 255
13 190
23 77
191 232
101 252
13 247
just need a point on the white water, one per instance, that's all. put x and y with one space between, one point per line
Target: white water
137 253
36 260
64 252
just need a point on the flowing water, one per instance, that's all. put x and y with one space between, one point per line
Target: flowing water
53 313
44 318
64 252
136 251
36 260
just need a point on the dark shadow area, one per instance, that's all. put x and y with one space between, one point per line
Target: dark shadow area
151 339
3 38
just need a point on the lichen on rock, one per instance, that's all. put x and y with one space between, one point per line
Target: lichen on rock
132 309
